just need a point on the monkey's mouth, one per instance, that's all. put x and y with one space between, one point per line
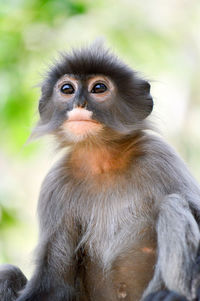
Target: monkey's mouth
82 121
81 127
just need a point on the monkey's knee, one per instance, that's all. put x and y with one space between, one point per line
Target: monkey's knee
12 281
174 200
165 295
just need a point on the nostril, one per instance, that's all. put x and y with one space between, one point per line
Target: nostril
82 104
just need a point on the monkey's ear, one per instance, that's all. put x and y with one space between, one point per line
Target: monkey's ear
43 98
145 98
41 105
45 105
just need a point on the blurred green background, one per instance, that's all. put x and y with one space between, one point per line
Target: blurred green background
159 38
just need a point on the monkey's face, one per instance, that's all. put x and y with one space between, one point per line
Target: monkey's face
90 94
81 100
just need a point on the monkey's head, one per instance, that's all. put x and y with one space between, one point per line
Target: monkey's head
91 92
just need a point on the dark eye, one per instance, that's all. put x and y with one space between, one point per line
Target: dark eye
67 89
99 88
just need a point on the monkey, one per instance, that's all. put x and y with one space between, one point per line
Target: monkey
119 213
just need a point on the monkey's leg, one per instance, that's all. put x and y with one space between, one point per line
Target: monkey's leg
196 278
12 280
54 277
178 238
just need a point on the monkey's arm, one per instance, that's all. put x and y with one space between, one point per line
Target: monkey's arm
53 278
178 238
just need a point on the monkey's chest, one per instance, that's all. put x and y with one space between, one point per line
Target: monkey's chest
120 246
128 275
119 241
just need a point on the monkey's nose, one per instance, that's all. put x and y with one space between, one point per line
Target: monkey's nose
82 104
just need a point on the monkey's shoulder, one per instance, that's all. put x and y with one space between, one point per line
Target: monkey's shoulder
161 166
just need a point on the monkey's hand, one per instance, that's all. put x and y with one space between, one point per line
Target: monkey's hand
165 295
12 280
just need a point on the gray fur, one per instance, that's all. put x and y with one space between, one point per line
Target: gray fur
89 229
112 219
12 281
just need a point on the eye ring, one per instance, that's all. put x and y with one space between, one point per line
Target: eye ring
67 89
99 88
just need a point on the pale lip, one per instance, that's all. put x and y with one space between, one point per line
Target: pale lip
80 115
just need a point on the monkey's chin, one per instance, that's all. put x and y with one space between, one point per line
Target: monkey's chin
79 130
